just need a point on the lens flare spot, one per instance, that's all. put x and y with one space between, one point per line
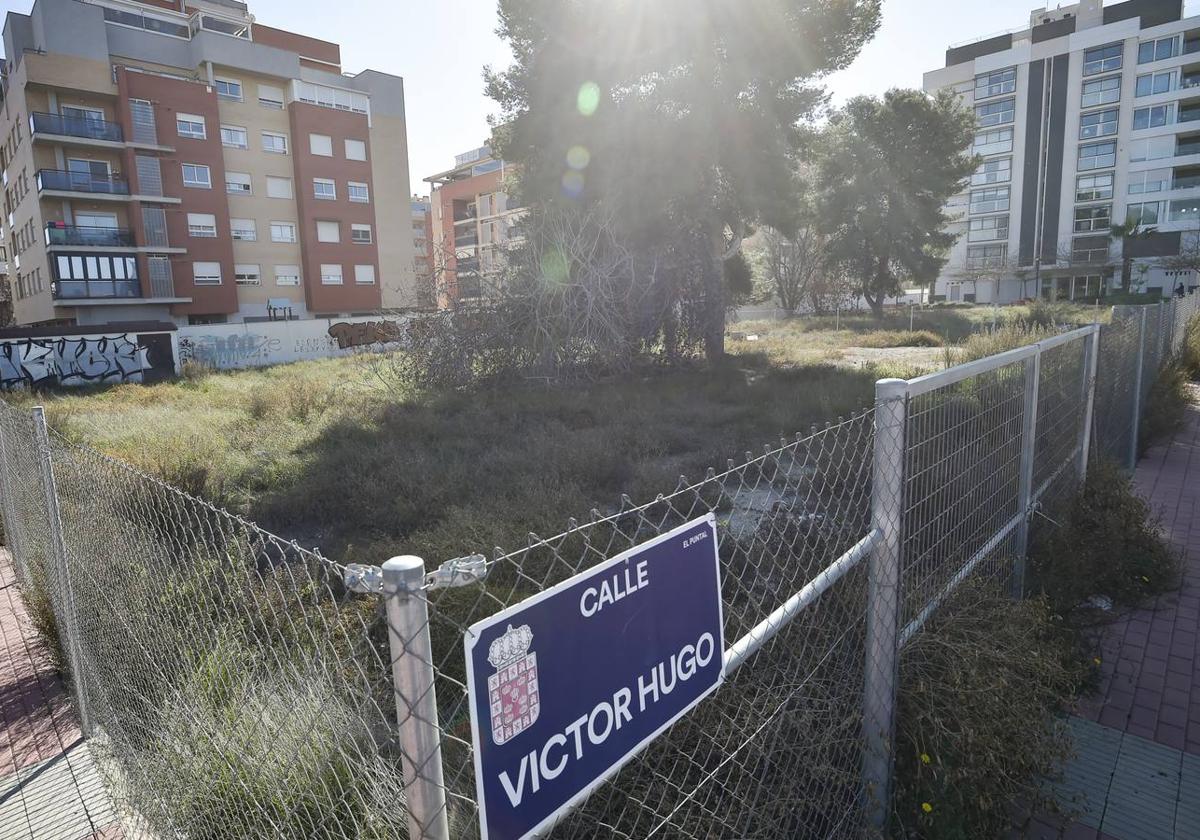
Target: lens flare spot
588 98
578 157
572 184
554 267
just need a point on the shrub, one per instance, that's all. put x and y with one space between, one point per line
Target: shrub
1190 353
976 730
900 338
1105 542
1166 404
193 371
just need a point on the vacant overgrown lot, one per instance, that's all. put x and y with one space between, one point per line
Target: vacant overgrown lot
331 454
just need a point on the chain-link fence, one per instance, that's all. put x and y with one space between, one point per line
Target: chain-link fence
233 684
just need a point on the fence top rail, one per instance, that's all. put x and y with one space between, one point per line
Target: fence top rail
950 376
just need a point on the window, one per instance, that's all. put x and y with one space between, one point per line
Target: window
1092 219
1142 213
1094 187
1098 124
987 229
992 142
246 274
996 83
229 89
279 187
287 275
1152 148
1158 50
235 137
243 229
1089 249
320 144
1102 59
358 192
1149 181
270 96
190 125
1097 156
328 232
995 113
196 175
202 225
283 231
1101 92
324 188
356 149
237 182
989 200
274 142
331 274
1152 83
364 275
360 234
206 273
1187 210
1153 117
329 97
986 256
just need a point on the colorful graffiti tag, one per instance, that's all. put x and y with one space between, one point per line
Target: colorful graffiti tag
30 362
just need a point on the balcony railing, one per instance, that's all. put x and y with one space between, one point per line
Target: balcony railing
466 241
92 129
59 179
76 289
1186 182
1189 115
82 235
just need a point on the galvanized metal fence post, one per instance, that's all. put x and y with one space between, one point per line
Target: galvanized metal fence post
883 598
68 620
416 701
1137 390
1029 418
1091 361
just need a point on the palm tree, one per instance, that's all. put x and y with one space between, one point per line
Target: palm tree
1128 230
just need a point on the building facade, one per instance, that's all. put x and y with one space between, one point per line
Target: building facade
472 220
1087 118
183 162
422 233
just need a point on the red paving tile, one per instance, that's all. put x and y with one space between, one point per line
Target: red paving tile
1150 685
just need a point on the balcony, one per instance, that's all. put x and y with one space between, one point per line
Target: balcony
60 180
468 241
82 127
99 237
81 289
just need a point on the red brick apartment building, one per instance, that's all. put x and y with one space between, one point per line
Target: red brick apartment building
472 220
177 160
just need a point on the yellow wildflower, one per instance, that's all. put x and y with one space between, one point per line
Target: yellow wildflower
926 807
925 758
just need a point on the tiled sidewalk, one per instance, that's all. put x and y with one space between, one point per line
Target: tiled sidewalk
49 787
1137 773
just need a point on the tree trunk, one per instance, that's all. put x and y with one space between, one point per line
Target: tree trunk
714 296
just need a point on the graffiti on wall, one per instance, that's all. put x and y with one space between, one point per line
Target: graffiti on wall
230 351
366 332
31 362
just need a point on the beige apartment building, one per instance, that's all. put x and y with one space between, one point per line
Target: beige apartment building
184 162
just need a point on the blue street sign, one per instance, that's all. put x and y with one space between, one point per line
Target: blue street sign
568 685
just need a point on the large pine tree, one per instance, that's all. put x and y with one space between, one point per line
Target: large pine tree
683 113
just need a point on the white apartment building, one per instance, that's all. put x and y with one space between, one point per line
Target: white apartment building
1087 117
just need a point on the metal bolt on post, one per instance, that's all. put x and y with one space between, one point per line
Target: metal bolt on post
1137 391
883 599
416 702
69 626
1033 375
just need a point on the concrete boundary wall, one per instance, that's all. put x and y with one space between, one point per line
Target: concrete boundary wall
247 345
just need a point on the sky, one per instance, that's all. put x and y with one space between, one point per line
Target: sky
441 46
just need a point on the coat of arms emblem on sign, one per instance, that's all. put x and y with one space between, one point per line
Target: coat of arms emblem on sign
513 689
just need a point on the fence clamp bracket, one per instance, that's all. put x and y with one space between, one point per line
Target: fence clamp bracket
364 579
461 571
